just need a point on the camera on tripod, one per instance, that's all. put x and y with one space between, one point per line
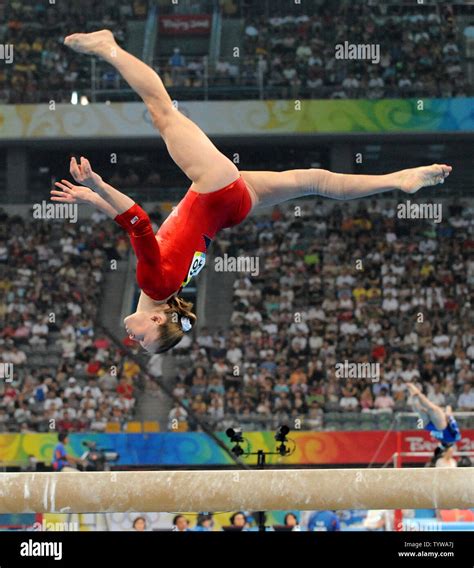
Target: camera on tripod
97 459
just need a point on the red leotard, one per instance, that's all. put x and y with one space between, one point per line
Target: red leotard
168 260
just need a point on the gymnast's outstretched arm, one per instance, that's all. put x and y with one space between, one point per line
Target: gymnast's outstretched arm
66 192
125 212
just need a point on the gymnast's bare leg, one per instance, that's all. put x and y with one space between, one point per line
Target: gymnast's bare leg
428 410
191 150
272 188
210 170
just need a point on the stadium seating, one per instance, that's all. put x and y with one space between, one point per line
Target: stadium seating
345 300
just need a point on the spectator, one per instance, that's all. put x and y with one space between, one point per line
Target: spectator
348 402
177 418
239 520
324 521
139 524
383 401
291 520
180 523
205 523
62 461
466 399
177 63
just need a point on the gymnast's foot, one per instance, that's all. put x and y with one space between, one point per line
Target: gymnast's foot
415 178
95 43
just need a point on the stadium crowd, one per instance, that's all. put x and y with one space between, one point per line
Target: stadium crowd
287 56
355 284
296 54
59 372
292 56
42 68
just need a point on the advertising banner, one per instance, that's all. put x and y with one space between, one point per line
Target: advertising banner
185 25
198 449
239 118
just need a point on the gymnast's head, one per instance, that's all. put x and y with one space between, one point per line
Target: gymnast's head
163 327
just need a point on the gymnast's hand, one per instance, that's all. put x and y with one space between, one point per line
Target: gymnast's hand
72 193
414 390
84 174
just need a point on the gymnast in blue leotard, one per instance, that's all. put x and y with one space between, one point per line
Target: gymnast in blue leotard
449 435
438 421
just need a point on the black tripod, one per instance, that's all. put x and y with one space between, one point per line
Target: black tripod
237 438
261 462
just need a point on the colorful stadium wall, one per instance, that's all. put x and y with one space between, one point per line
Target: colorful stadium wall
131 120
198 449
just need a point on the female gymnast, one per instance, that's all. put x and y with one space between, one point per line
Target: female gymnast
219 196
440 423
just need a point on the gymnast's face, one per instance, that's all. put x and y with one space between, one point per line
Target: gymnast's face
144 328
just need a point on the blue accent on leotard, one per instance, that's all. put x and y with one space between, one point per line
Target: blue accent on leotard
449 435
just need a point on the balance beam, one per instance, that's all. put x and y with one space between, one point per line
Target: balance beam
233 490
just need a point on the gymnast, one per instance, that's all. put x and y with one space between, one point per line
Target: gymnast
438 421
219 196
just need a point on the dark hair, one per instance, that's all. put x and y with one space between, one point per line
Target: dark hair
62 436
172 331
175 520
290 515
202 518
135 521
232 519
438 453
